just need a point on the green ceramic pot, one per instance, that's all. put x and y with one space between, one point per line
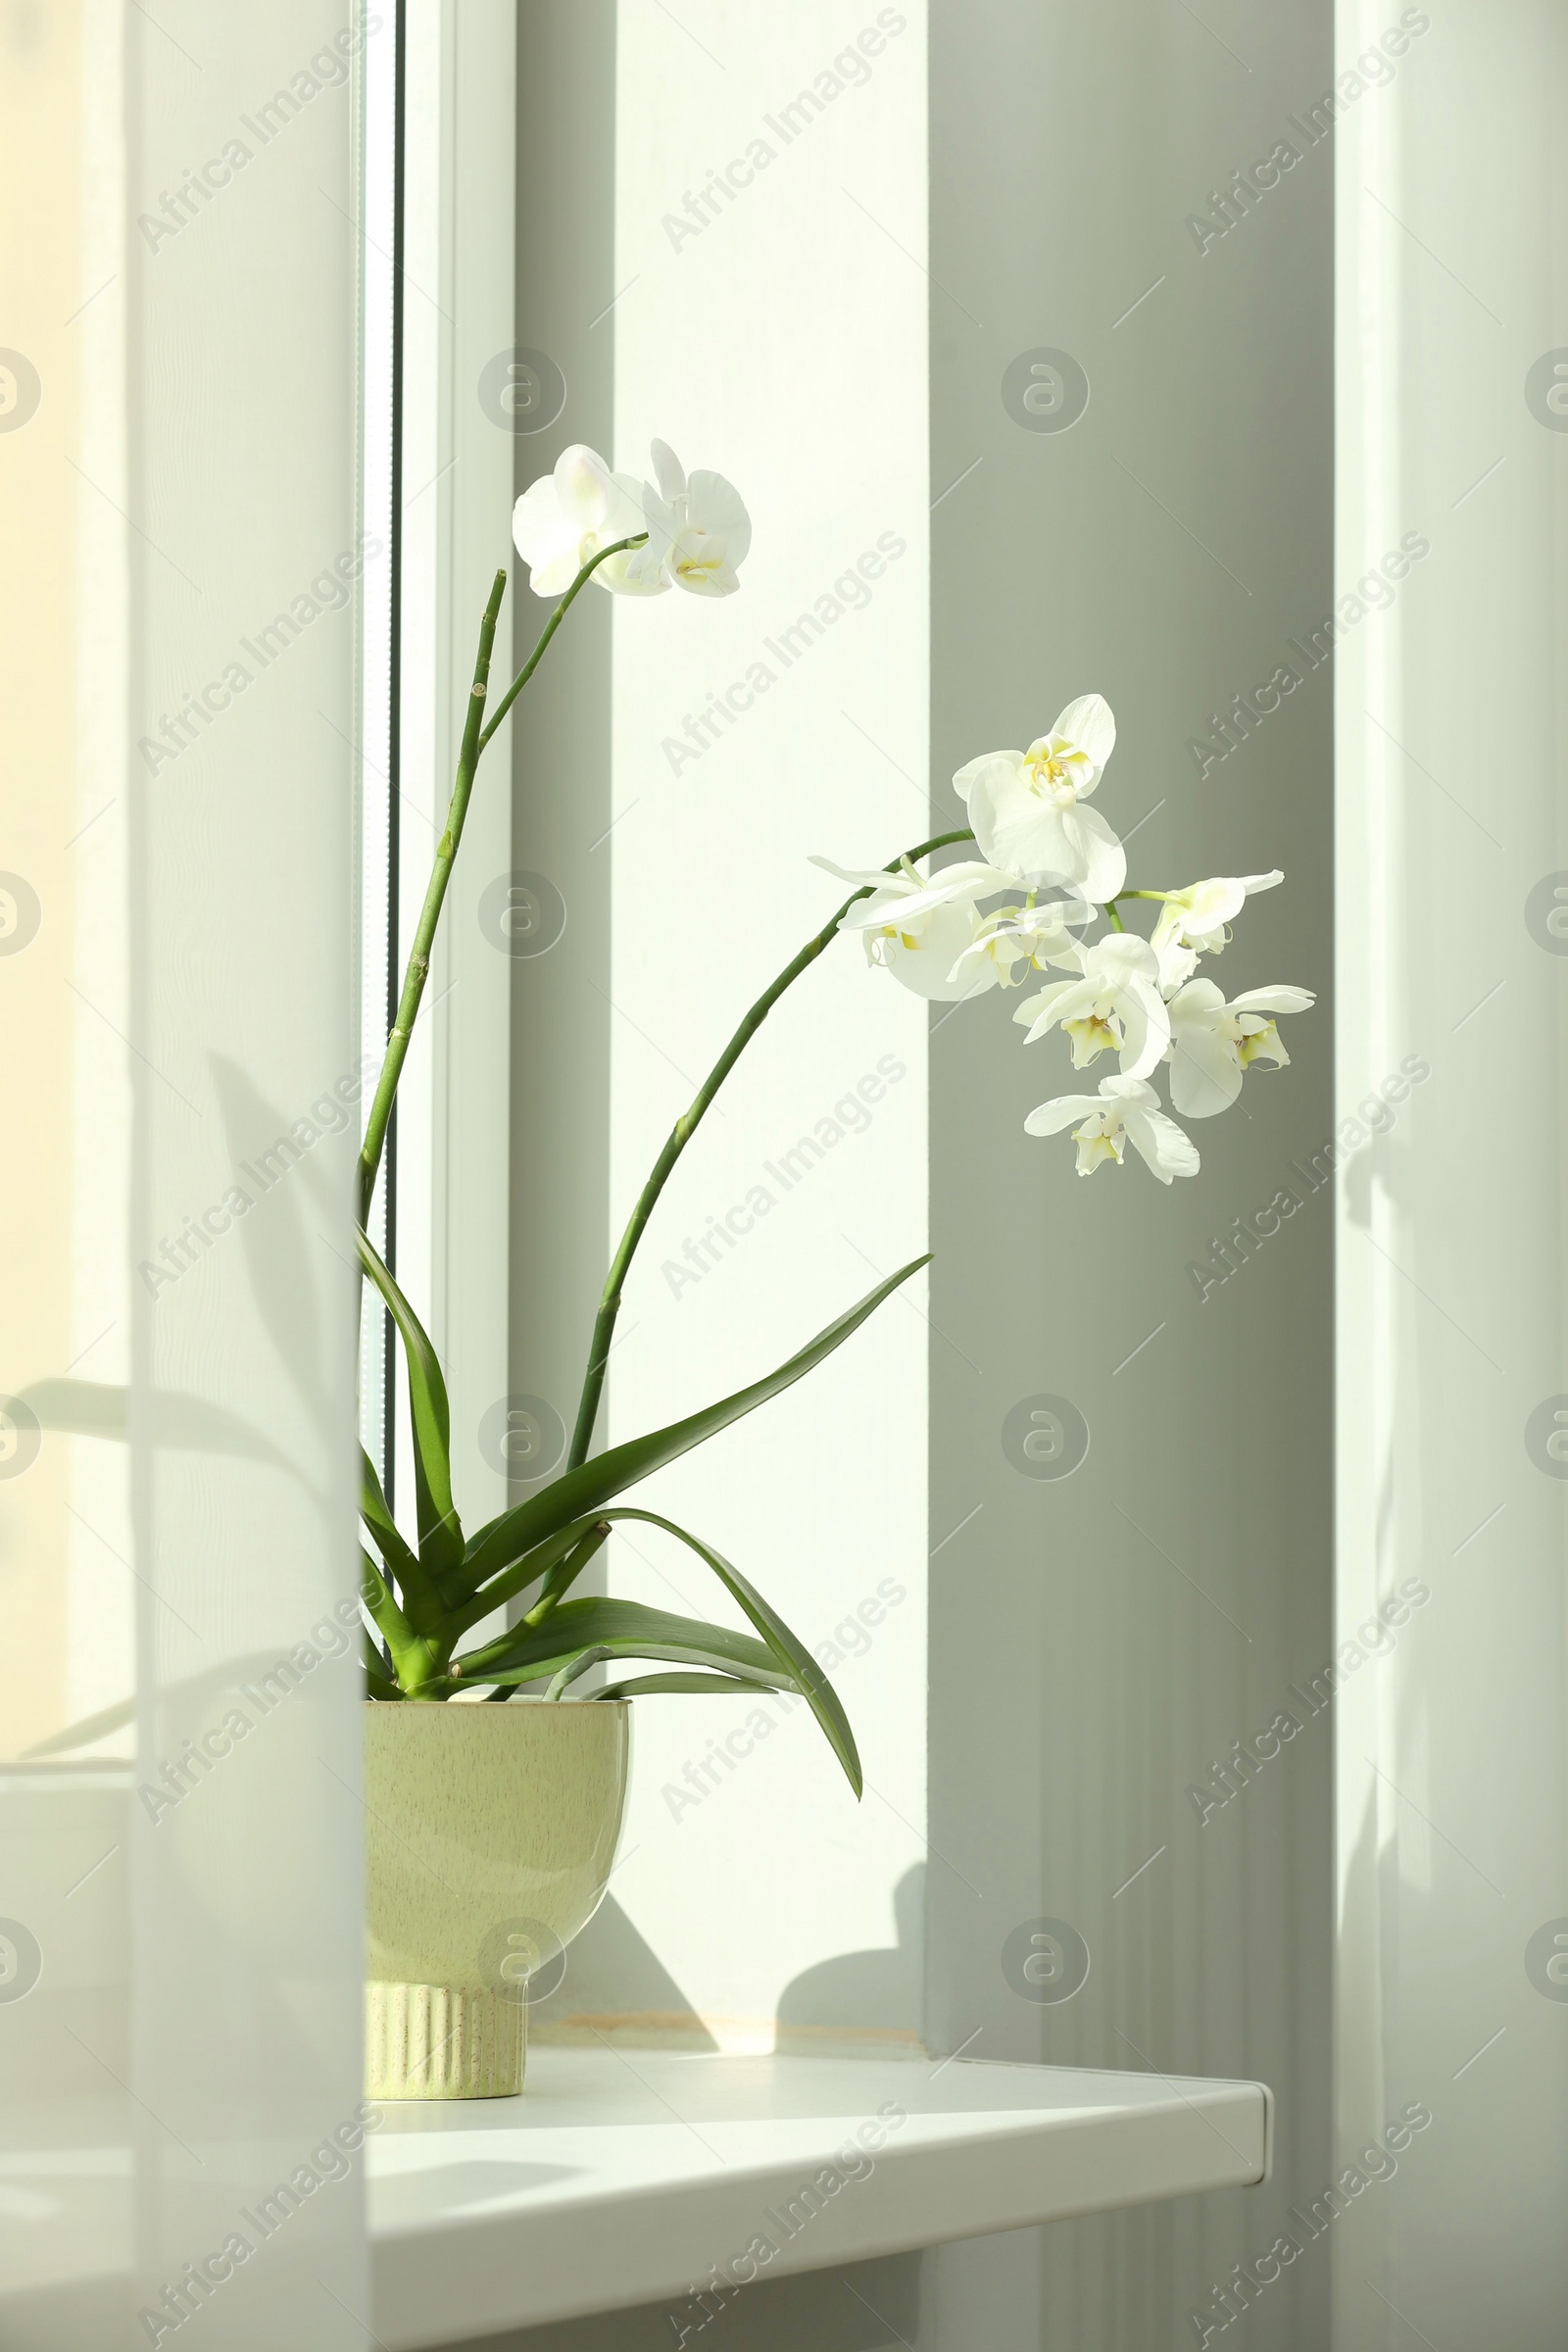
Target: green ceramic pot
490 1836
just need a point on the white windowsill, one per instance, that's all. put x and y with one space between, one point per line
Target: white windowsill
622 2178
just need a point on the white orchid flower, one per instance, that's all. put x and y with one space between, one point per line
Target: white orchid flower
699 525
1018 940
935 964
1194 921
1126 1110
1114 1002
1212 1043
1027 807
917 929
562 522
899 900
909 923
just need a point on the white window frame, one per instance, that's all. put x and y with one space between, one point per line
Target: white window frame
452 259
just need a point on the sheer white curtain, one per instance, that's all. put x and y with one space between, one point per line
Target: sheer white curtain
1453 1798
180 1824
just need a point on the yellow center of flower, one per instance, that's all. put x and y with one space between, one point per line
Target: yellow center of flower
1090 1037
1265 1041
697 554
1096 1146
1052 767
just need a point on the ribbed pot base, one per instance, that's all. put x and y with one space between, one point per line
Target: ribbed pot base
442 2041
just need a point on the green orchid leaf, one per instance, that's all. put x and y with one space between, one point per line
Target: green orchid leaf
598 1619
559 1559
787 1647
384 1531
440 1530
408 1654
577 1493
376 1682
592 1622
648 1685
560 1579
567 1665
677 1652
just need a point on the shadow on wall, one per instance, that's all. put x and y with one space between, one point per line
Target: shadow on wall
266 1145
869 2307
616 1982
870 1994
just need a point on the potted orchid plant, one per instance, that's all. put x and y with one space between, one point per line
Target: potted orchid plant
1045 870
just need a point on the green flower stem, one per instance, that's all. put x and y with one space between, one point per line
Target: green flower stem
1109 907
474 740
418 964
552 626
680 1136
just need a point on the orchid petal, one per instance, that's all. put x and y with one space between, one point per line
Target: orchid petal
927 967
1280 999
969 880
715 506
875 875
1167 1150
668 471
583 486
1066 1002
1052 1117
964 781
1088 724
1206 1076
1146 1027
1100 863
1019 831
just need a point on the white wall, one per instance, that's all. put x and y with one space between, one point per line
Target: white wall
560 733
1098 1640
782 344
